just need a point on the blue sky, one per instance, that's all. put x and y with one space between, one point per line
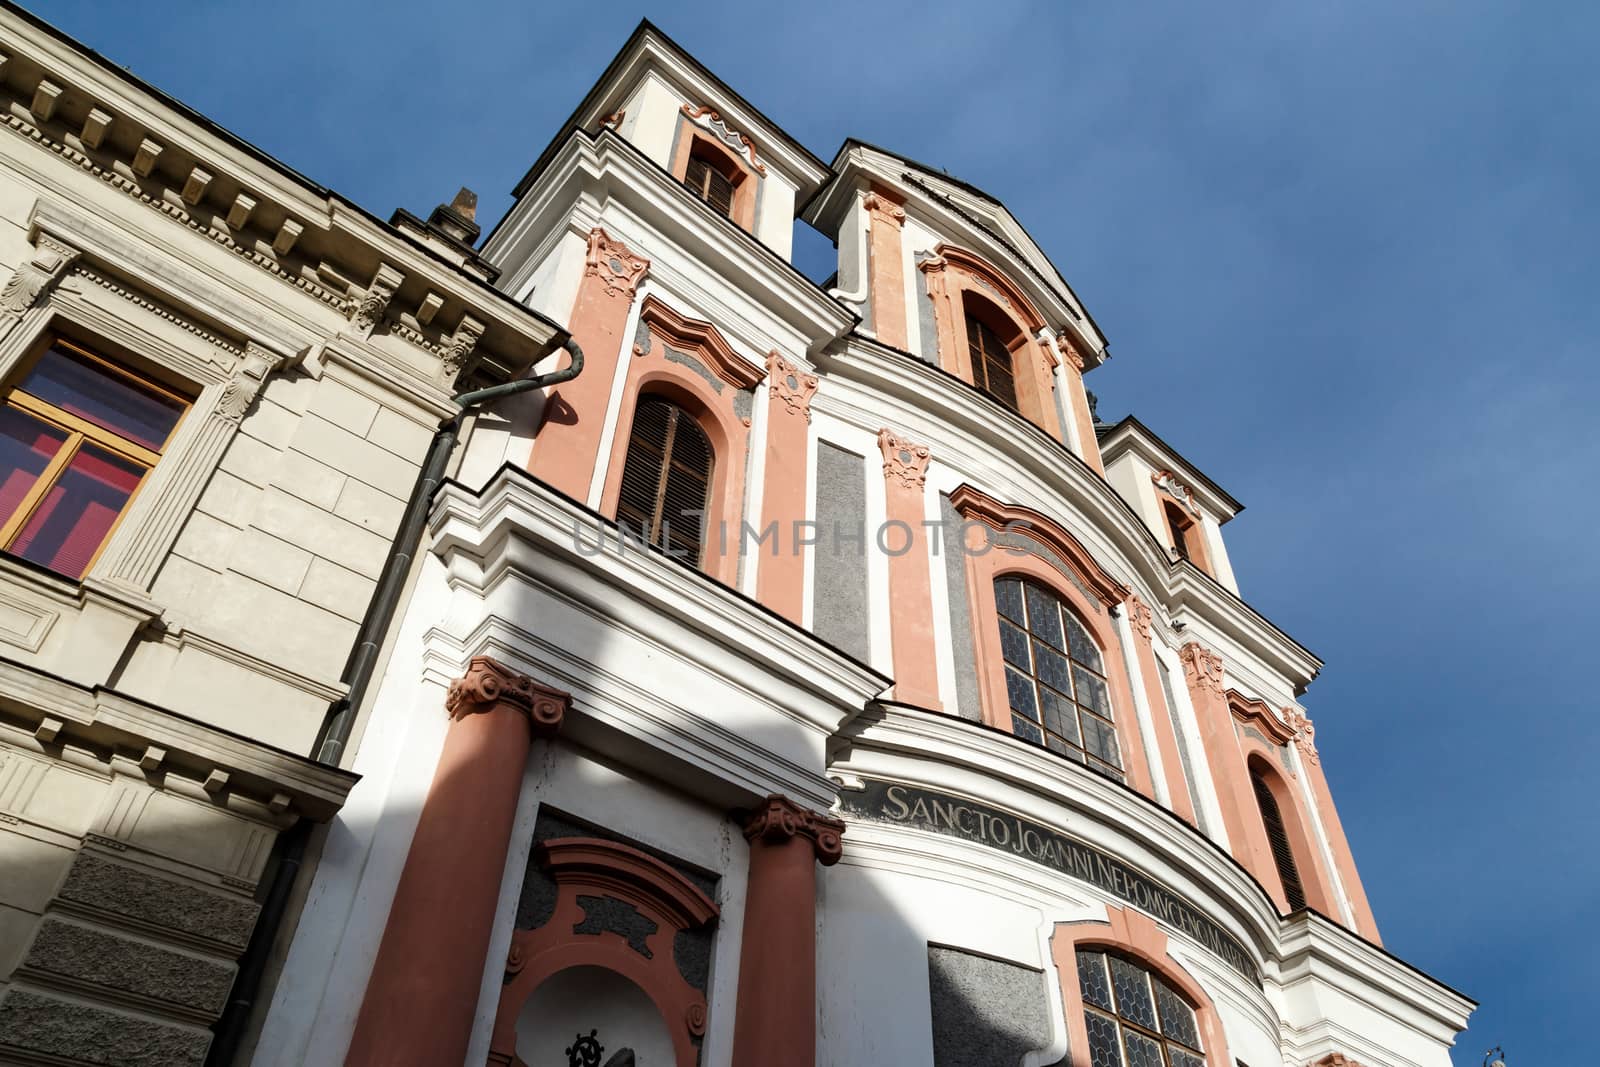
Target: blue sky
1345 259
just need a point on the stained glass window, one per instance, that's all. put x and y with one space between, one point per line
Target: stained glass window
1134 1018
77 437
1055 677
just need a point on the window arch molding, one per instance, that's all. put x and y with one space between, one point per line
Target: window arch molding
1263 740
962 284
690 363
696 140
1139 938
1028 544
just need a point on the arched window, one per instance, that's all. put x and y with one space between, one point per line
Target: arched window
1134 1018
666 478
1055 677
1278 838
707 180
992 369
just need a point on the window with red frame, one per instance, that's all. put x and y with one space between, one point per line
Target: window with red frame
77 437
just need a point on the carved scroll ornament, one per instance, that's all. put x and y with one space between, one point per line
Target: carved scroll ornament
903 461
489 684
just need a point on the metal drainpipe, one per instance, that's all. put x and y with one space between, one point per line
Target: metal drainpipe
230 1027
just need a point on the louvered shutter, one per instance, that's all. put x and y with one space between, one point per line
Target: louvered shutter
719 192
1278 838
666 478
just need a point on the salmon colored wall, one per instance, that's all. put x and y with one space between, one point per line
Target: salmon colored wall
1202 671
886 271
573 422
915 656
1343 860
1139 618
1136 935
780 574
1078 402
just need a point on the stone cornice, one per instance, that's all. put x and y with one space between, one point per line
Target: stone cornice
1316 947
961 756
144 146
113 727
668 222
516 523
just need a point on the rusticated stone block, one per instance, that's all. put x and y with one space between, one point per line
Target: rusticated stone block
100 957
74 1031
121 889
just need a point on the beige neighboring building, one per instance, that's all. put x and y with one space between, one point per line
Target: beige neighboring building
217 383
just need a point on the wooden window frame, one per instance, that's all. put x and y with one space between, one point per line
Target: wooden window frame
980 357
80 431
1185 533
1285 861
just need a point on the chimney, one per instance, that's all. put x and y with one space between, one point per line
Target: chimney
451 230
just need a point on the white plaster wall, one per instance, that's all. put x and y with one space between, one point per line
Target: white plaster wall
594 1002
1217 549
654 119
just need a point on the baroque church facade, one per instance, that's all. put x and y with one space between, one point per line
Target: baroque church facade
599 644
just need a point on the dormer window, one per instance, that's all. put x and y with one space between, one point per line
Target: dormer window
707 181
992 369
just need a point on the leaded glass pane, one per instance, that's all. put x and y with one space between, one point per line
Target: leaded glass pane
1084 650
1142 1051
1100 738
1092 691
1019 688
1014 645
1132 987
1044 617
1052 667
1104 1048
1026 730
1065 716
1093 984
1177 1018
1008 598
1181 1058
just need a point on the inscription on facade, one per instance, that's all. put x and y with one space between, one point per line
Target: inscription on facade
968 820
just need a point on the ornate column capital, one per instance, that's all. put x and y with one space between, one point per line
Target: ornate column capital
488 684
33 279
1305 733
1202 667
618 269
1070 350
879 206
1139 614
790 385
903 461
780 819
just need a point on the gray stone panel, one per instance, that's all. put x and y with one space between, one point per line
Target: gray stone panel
961 622
986 1012
86 954
839 606
120 889
73 1031
927 329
